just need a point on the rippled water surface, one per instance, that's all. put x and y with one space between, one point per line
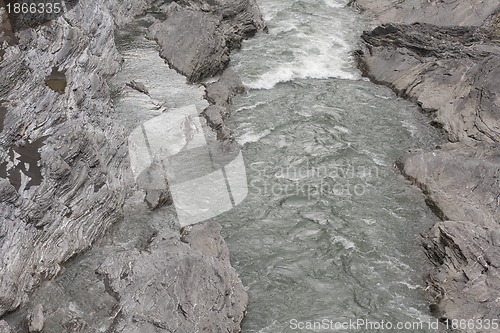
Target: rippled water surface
330 230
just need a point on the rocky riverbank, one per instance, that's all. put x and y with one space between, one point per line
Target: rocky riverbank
445 56
65 177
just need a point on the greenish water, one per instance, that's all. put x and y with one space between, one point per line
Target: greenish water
329 231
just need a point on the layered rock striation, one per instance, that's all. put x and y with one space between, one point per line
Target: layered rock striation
63 163
445 56
65 175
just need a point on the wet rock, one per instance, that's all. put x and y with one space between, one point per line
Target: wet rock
156 198
460 182
22 168
196 37
193 44
36 319
190 284
445 56
466 282
462 186
59 215
225 89
442 13
450 72
3 113
214 114
220 95
57 80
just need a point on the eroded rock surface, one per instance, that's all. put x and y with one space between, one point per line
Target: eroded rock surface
446 57
450 71
462 186
170 282
442 13
82 162
461 182
467 279
177 285
220 95
84 181
4 327
197 36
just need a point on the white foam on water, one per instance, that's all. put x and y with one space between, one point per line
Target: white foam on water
409 285
346 243
308 68
248 108
342 129
320 57
335 3
273 327
251 136
306 40
369 221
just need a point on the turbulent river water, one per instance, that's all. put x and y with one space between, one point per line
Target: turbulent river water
330 229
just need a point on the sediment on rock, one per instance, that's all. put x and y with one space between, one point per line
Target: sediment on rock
446 57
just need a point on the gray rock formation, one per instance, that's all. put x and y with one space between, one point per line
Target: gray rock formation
449 71
466 281
191 286
171 282
461 185
81 154
446 57
139 86
461 182
4 327
441 13
220 95
197 36
36 319
57 206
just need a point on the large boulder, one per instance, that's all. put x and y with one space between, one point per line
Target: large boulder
177 285
462 186
197 36
451 72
